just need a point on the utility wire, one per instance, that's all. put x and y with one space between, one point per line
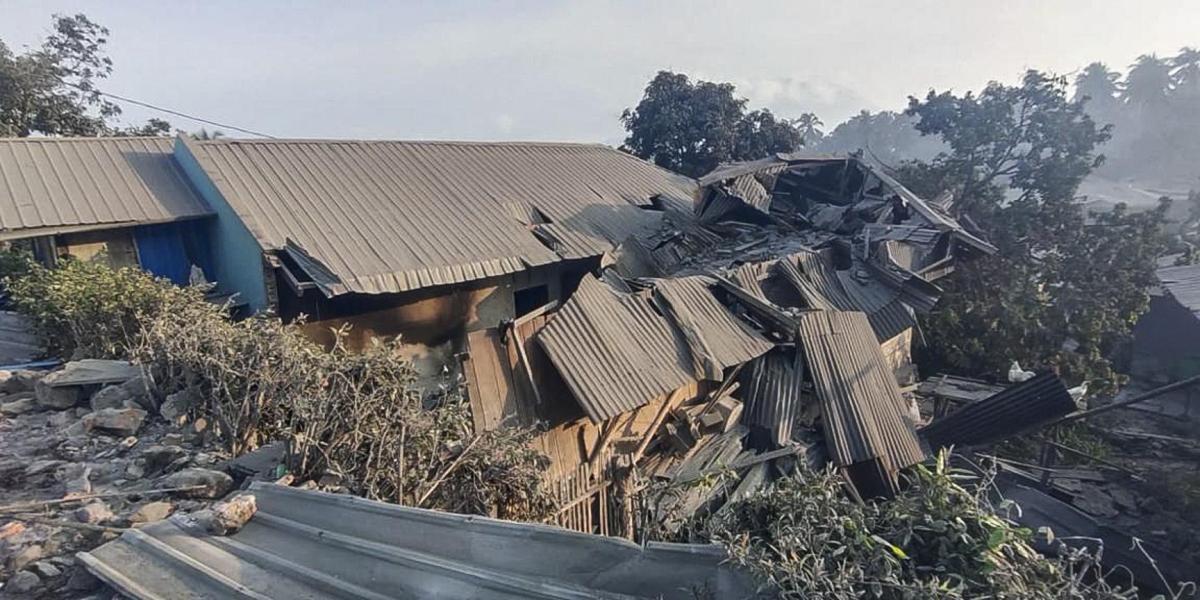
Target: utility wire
185 115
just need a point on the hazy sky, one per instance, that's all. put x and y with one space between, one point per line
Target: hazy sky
565 70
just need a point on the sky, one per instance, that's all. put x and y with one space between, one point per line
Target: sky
512 70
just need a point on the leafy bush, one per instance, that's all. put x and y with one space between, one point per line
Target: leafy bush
940 538
353 415
87 309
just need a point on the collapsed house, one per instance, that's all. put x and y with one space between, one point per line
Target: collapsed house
759 333
1164 339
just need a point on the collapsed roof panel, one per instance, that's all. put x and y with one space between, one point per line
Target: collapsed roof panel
717 339
613 350
309 544
864 415
394 216
1018 408
771 387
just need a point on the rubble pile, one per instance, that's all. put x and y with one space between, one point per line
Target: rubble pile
86 452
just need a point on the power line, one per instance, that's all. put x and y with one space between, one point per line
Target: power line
185 115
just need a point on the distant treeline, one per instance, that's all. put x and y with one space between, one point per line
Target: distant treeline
1153 109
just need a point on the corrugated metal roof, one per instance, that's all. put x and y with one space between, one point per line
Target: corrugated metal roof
613 350
717 339
770 388
315 545
50 185
826 288
1183 283
863 413
1020 407
913 234
390 216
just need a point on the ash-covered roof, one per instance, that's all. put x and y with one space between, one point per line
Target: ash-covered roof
58 185
392 216
1183 284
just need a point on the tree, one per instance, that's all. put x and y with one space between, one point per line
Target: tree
1148 83
1185 73
52 89
810 126
1097 86
887 137
690 127
1065 287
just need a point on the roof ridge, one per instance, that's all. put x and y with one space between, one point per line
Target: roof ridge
223 140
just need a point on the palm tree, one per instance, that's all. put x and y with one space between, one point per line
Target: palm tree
1148 83
205 134
810 126
1186 72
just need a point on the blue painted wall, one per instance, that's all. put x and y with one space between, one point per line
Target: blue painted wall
236 256
170 249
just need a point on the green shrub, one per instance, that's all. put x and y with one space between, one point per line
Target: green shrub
940 538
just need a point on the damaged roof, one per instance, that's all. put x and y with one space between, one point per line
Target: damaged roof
864 414
58 185
316 545
392 216
619 350
1018 408
1183 284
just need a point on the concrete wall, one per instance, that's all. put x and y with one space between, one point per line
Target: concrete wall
236 254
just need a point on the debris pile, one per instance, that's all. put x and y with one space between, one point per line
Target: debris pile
87 452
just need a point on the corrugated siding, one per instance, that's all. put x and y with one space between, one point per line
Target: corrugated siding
770 388
49 184
1183 283
711 330
863 413
1021 407
613 350
396 216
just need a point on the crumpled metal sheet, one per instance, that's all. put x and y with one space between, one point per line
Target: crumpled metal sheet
314 545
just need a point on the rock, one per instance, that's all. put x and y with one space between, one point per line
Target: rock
228 517
154 511
19 404
92 371
22 584
60 418
93 512
45 569
113 396
140 390
158 457
117 421
128 442
27 554
13 382
215 483
135 471
77 482
175 407
11 529
82 581
38 467
59 398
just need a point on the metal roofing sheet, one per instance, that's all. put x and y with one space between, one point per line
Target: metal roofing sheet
53 184
863 413
1016 409
388 216
716 338
315 545
1183 283
613 350
771 390
826 288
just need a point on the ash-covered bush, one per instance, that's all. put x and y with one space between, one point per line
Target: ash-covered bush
353 415
804 537
85 309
